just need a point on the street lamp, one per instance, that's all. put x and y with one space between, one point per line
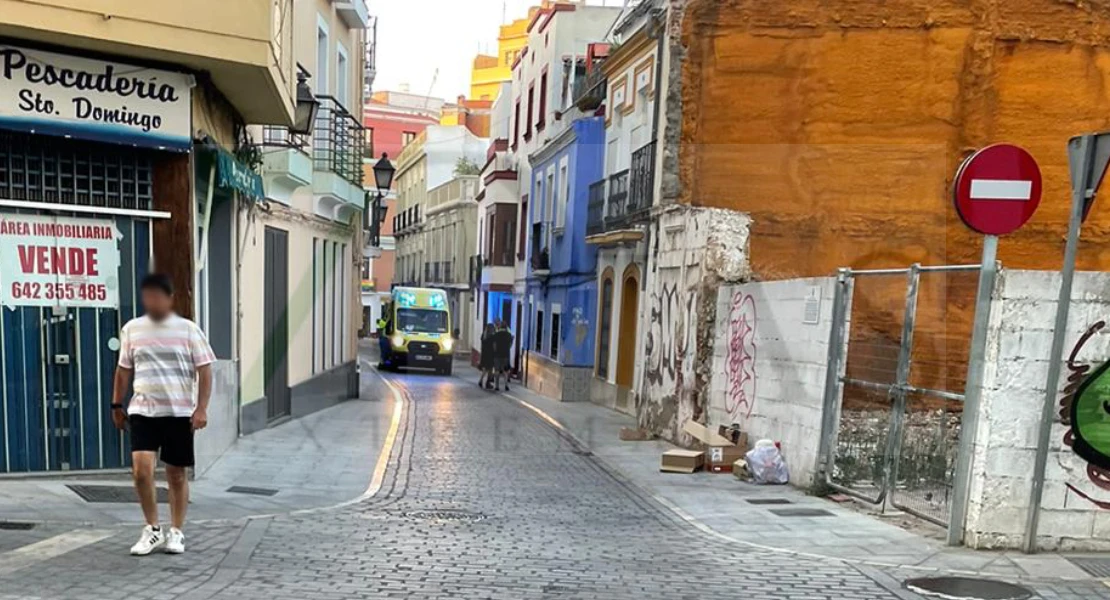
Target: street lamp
304 115
376 216
383 174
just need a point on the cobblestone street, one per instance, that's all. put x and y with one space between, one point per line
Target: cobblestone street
482 499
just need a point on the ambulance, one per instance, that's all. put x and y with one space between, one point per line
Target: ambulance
415 330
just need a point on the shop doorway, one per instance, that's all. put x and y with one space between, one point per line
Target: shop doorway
276 324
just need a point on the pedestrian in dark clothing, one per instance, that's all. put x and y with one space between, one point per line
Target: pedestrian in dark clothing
485 363
503 348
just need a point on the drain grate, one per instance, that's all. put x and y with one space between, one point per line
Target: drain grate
957 588
251 491
445 515
764 501
1095 567
98 494
802 512
13 526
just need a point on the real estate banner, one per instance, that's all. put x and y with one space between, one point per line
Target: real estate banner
58 261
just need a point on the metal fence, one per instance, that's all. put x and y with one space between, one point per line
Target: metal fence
894 394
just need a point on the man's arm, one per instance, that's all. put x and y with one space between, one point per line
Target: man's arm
204 387
120 383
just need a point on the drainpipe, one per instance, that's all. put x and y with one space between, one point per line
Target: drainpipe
659 23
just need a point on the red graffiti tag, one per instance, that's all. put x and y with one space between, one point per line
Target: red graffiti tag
741 356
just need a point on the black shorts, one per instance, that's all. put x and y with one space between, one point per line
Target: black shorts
172 437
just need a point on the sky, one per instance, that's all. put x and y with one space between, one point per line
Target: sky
416 37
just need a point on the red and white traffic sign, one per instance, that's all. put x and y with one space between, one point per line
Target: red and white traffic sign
998 189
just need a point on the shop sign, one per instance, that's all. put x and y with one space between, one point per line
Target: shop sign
59 94
57 261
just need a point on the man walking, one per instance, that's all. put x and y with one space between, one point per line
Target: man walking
503 349
170 360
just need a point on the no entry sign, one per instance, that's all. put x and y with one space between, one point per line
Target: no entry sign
998 189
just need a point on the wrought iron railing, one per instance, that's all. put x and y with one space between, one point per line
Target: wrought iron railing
641 187
281 137
590 91
541 259
338 140
595 209
617 209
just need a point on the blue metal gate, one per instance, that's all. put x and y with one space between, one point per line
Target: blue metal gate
57 364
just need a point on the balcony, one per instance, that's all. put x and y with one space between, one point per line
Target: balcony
409 218
337 150
590 91
541 255
286 164
353 13
370 52
611 218
245 46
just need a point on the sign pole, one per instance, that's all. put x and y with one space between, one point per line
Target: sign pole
961 484
1080 190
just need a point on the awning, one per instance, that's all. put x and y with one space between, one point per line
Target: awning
233 175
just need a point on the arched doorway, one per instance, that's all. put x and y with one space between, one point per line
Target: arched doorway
626 339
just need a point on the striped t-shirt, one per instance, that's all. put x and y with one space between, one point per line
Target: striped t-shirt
164 357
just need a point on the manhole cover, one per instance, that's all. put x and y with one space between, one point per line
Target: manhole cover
762 501
1096 567
444 515
113 493
961 588
252 491
10 526
801 512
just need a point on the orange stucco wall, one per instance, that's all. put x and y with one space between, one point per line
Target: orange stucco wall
838 125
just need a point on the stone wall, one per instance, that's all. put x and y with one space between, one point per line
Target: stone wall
1074 510
770 356
693 251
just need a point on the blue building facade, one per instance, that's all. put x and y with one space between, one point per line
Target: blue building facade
561 293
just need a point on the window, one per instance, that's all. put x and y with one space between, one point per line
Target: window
407 137
531 112
341 75
604 326
522 235
539 331
549 204
322 54
564 195
516 125
507 249
369 132
556 333
542 118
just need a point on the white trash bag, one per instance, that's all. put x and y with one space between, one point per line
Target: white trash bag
766 465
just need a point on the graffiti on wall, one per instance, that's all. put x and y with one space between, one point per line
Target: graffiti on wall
740 363
666 343
1085 409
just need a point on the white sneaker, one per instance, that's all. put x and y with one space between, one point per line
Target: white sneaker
175 541
151 540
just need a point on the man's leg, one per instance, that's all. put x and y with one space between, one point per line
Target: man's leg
142 471
178 478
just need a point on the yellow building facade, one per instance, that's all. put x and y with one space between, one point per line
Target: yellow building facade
489 72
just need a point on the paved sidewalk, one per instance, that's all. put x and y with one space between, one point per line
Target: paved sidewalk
320 460
720 504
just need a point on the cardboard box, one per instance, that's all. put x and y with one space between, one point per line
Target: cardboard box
682 461
720 452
